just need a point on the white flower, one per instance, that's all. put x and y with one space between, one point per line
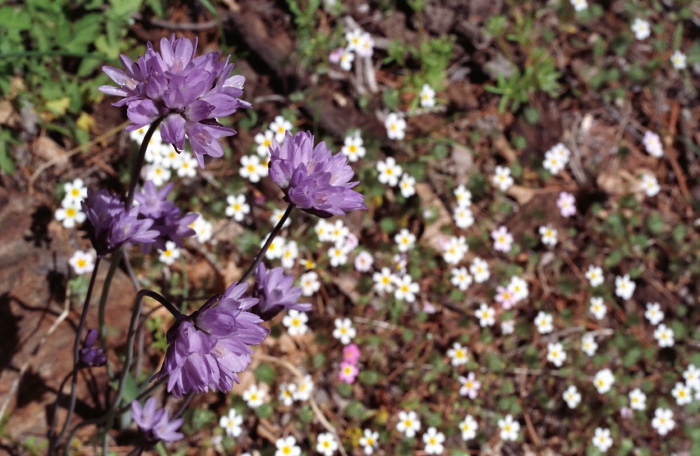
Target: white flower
251 168
389 172
433 441
309 283
508 326
458 354
326 444
624 286
383 281
554 160
509 428
463 217
549 235
290 252
463 196
353 148
287 391
518 287
650 185
395 126
82 262
406 288
480 270
502 239
185 165
369 441
254 396
579 5
543 321
602 439
461 278
280 126
202 229
277 215
323 230
663 421
169 157
502 179
354 38
70 213
344 331
455 248
598 308
232 423
264 141
603 380
556 354
275 248
157 173
682 393
664 336
427 96
408 423
287 447
295 322
346 59
468 426
652 144
237 207
595 275
486 315
638 400
641 29
654 313
407 185
338 255
572 397
364 261
170 254
76 191
678 60
304 389
692 377
405 240
588 344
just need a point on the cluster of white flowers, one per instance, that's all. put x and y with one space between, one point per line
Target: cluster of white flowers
454 249
203 229
255 167
162 159
71 213
290 392
395 126
556 158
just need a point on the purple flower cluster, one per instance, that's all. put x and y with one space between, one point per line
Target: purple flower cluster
155 423
90 355
312 178
189 92
208 348
170 224
276 293
112 226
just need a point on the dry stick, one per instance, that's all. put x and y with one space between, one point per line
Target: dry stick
72 152
76 360
314 406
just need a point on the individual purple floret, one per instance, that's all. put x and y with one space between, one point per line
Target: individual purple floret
276 293
90 355
111 225
167 220
189 92
155 423
313 179
207 349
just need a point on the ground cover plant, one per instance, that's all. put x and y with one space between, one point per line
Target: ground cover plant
322 227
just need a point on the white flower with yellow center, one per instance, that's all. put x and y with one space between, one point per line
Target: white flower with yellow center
276 247
543 322
549 235
602 439
603 380
395 127
588 344
641 29
579 5
251 168
237 207
408 423
598 308
509 428
82 262
254 396
295 322
502 179
232 423
594 274
650 185
406 288
407 185
383 281
479 270
663 421
170 254
76 191
458 354
486 315
326 444
369 441
304 389
427 96
353 148
309 283
664 336
287 447
287 391
433 441
264 141
682 394
158 173
572 397
389 172
279 127
405 240
468 427
344 331
678 60
638 400
556 354
624 286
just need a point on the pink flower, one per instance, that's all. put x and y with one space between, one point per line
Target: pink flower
348 372
470 387
334 56
505 297
502 239
351 354
567 204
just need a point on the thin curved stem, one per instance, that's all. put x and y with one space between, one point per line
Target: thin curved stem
270 238
76 356
138 164
101 314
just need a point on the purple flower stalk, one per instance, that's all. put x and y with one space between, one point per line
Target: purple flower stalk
155 423
167 220
276 293
189 92
313 179
111 225
89 354
208 348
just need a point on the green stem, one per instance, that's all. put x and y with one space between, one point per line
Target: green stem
270 238
140 158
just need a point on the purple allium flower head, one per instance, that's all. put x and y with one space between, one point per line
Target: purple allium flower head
155 423
111 225
90 355
276 293
208 348
167 220
313 179
189 92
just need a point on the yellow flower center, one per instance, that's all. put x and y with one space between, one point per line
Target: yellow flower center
82 263
352 148
70 212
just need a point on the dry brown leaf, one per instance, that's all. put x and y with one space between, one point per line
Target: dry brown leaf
433 231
